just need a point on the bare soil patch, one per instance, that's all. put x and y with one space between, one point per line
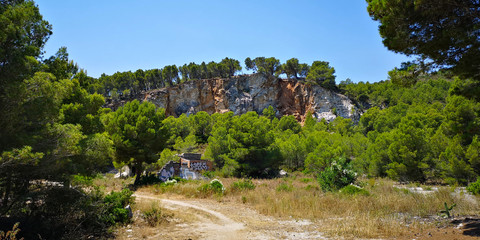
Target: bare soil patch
210 219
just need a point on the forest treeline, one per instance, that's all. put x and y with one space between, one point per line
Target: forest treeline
419 125
126 84
418 133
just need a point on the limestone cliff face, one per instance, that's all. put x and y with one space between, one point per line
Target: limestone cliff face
256 92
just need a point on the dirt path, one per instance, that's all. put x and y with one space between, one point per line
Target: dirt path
214 220
215 227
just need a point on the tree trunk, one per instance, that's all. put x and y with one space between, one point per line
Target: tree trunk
8 186
138 173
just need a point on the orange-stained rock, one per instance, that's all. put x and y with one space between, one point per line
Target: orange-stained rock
255 92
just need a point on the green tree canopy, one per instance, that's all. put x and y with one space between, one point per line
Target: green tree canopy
250 64
137 133
321 73
60 66
170 74
269 66
406 76
446 31
23 33
231 65
294 69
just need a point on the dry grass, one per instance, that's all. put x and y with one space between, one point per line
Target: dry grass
153 214
386 212
147 205
108 183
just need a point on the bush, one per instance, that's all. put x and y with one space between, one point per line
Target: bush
79 180
215 186
209 174
244 184
338 175
115 203
179 179
149 179
170 182
474 187
354 190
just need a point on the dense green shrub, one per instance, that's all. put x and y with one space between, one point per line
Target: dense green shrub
338 175
115 203
474 187
79 180
149 179
244 184
215 186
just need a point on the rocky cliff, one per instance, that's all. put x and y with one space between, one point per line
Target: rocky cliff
255 92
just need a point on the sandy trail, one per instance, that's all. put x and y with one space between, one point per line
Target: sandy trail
218 227
216 220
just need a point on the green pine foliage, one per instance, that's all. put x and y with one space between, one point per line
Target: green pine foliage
417 126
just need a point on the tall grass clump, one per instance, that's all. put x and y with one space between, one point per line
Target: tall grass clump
243 184
155 216
354 190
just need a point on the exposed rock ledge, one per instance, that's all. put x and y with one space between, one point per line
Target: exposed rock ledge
256 92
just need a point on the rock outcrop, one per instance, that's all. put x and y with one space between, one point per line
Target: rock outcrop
256 92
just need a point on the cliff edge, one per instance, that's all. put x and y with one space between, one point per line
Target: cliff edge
255 92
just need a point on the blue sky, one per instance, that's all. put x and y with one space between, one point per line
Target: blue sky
108 36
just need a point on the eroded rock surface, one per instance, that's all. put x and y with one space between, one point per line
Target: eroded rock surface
256 92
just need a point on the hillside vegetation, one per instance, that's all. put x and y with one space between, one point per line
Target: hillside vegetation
421 125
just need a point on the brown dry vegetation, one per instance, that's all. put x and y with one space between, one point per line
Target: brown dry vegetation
388 212
143 227
108 183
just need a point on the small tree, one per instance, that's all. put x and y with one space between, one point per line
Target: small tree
294 69
170 74
322 74
231 65
250 64
137 133
269 66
